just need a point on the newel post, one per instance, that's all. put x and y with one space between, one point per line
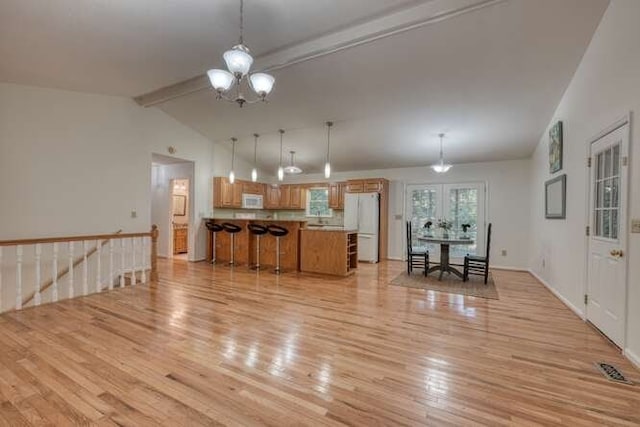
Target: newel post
154 253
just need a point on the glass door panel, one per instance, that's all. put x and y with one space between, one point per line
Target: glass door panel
423 205
464 205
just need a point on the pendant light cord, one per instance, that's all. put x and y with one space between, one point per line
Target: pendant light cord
242 22
233 152
255 149
441 154
329 124
281 133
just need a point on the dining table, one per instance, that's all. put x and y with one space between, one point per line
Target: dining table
445 242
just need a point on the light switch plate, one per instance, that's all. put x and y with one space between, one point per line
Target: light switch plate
635 225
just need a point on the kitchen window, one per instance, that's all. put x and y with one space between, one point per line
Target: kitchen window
318 203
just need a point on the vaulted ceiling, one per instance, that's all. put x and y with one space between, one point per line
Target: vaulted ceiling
490 77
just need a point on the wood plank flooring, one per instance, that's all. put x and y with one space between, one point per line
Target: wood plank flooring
214 346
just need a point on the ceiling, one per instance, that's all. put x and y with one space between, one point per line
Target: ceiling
491 78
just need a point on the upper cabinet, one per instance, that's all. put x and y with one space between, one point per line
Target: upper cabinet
272 197
297 197
336 195
249 187
376 185
225 194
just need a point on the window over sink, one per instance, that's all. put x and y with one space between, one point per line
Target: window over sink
318 203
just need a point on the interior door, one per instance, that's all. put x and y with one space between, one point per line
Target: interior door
607 271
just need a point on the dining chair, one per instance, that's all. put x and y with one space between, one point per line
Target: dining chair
416 257
477 264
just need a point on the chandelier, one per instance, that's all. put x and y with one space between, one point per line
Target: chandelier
239 61
441 166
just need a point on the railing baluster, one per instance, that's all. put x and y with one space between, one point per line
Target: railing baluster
85 269
37 298
18 277
143 274
122 263
54 273
133 261
70 272
110 264
98 265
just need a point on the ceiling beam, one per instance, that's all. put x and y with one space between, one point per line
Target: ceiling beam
399 21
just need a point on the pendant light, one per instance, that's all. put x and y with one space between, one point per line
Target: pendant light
292 169
280 168
327 165
232 174
441 166
254 171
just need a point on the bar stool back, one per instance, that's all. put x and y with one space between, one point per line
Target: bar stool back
213 229
278 232
232 229
258 231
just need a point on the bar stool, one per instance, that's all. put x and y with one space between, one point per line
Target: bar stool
278 232
232 229
257 230
213 229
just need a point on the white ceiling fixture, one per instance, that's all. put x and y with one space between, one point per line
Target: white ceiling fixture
292 169
280 168
441 166
232 174
327 164
239 61
254 171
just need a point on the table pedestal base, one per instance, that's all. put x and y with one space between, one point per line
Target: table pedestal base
444 263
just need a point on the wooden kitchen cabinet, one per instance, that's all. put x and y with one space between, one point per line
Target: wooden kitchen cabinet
336 195
249 187
297 197
180 240
272 199
285 197
222 193
355 186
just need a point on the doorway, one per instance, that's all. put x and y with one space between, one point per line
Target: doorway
462 203
172 206
606 296
180 218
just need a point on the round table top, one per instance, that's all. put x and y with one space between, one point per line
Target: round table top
446 241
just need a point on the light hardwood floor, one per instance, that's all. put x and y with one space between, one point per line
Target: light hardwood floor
212 346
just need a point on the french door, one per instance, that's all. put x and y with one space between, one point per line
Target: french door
459 203
607 274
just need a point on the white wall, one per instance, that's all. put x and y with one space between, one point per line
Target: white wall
606 86
74 163
508 202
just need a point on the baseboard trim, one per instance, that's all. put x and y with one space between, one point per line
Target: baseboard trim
633 358
505 268
565 301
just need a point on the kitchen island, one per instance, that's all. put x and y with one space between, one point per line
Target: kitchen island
245 243
328 250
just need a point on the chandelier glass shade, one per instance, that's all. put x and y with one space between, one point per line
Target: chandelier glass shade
239 61
292 169
441 166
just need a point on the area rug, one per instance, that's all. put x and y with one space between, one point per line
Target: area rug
475 287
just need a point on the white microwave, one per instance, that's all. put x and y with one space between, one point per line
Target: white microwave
251 201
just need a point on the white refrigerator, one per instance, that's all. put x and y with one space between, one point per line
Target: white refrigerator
362 213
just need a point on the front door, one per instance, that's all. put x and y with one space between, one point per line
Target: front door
607 284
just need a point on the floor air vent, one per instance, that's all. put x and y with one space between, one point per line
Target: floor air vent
612 373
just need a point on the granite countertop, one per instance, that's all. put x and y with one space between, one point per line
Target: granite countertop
256 219
330 229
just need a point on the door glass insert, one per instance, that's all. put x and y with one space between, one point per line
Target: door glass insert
424 207
463 210
606 193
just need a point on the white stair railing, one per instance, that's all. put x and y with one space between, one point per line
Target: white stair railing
34 260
